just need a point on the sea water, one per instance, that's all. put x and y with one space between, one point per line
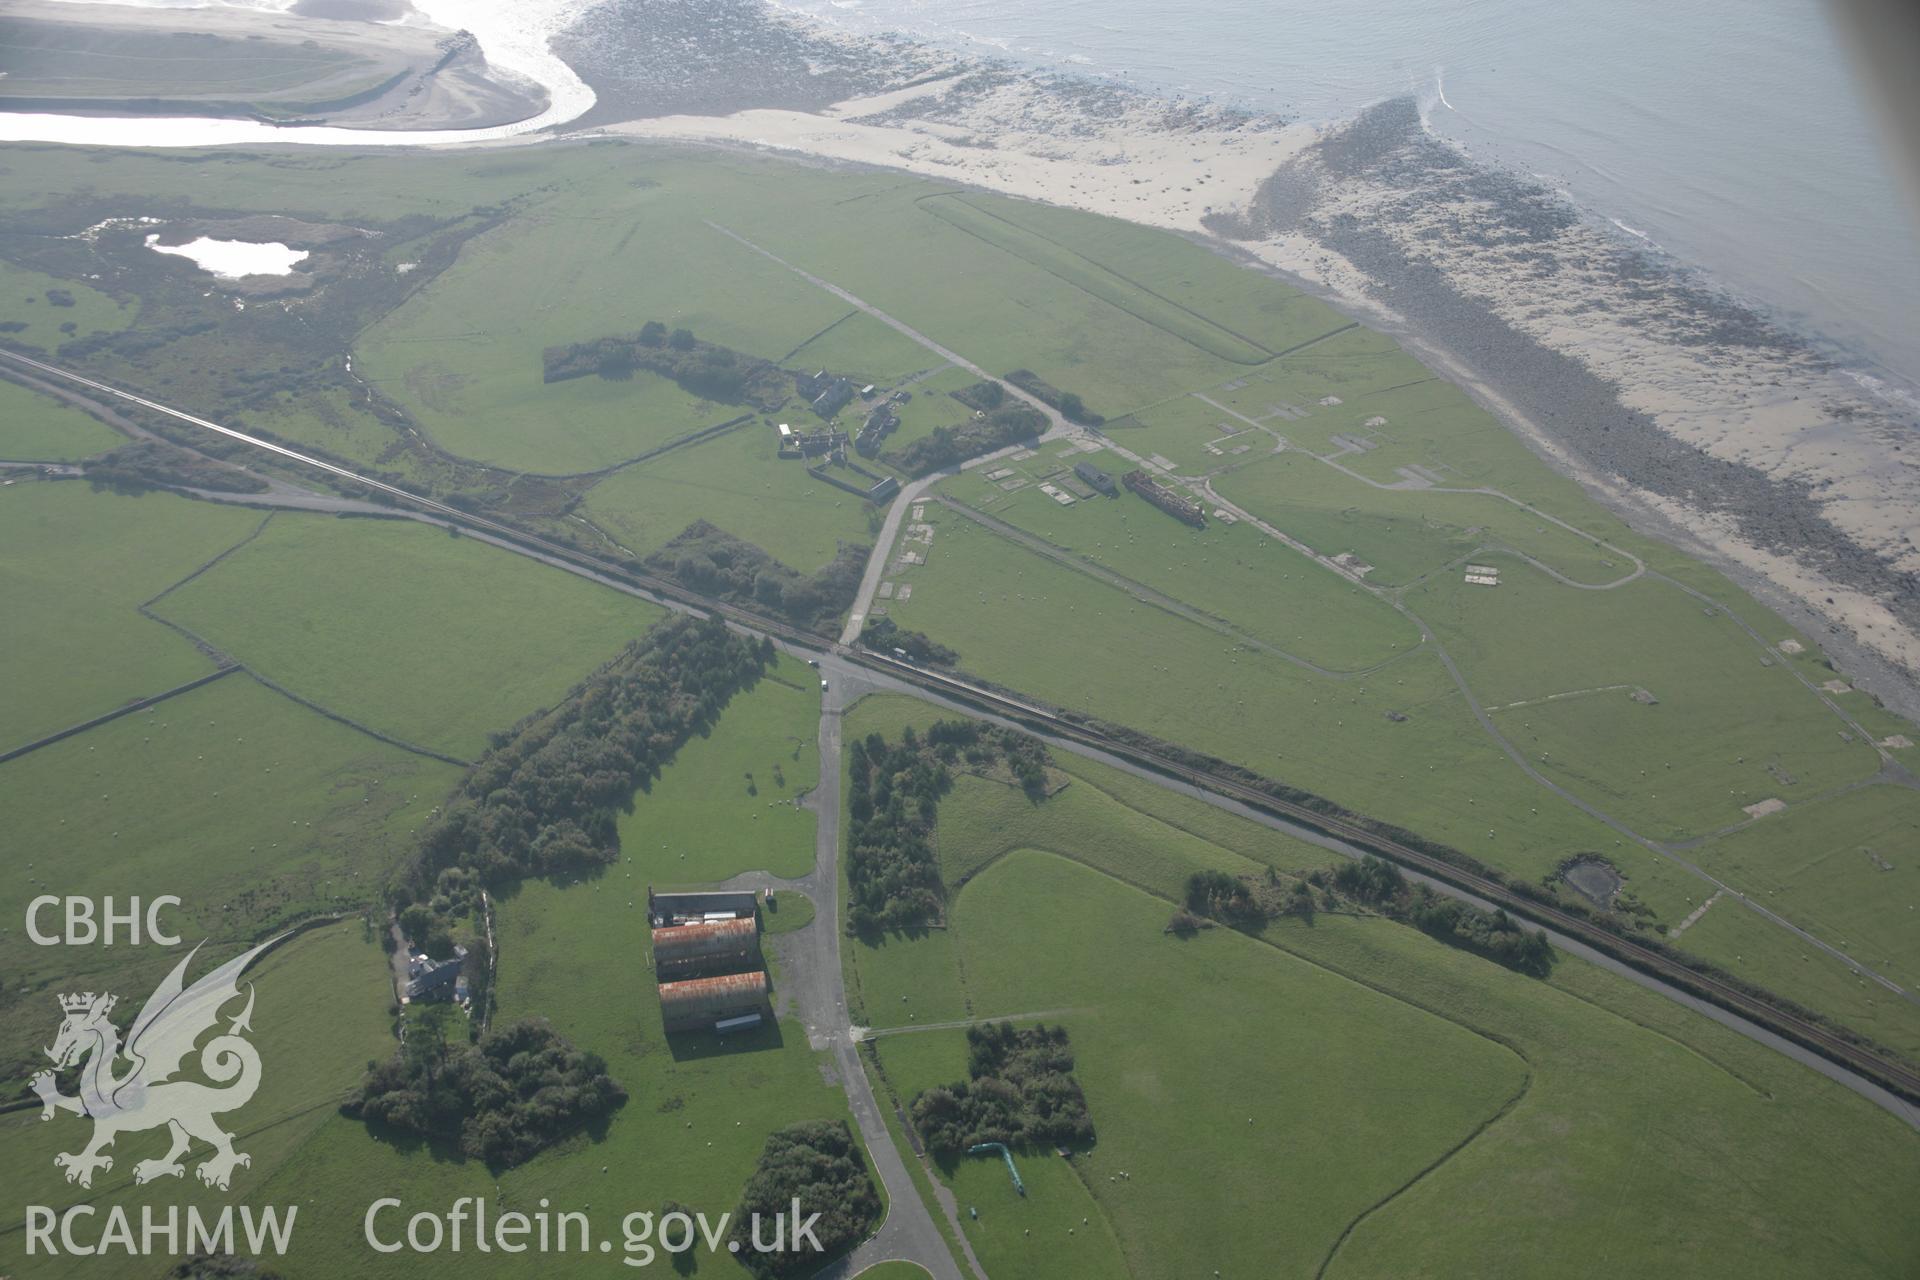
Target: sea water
1730 134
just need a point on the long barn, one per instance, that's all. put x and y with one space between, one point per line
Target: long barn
704 949
730 1002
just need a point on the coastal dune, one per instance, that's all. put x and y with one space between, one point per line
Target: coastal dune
1699 420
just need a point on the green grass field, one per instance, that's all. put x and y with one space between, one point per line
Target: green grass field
982 595
727 803
1056 1229
435 640
863 349
973 296
1725 731
251 809
699 1109
581 269
1842 867
1233 572
320 1012
38 428
1404 534
1619 1106
1635 1136
24 300
1258 309
1057 260
738 482
74 565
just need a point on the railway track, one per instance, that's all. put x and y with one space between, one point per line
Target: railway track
1810 1035
1048 721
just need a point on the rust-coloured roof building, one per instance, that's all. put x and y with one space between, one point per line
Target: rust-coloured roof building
702 950
699 1003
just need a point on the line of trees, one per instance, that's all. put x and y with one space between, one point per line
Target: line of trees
950 446
545 796
821 1165
1374 883
704 368
884 635
515 1092
1493 934
151 464
1020 1090
710 560
894 792
1071 407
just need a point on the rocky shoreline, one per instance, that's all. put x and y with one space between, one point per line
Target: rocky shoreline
1814 512
1696 417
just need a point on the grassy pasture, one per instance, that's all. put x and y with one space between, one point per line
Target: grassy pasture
1844 867
1741 942
1720 1152
377 183
1726 732
320 1013
38 428
74 564
1057 260
861 348
739 482
931 407
23 300
436 640
1172 1075
1232 571
581 267
1403 533
1258 309
866 234
252 810
1181 429
1056 1229
699 1109
726 804
1027 623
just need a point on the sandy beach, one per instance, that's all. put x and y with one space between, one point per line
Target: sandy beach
1699 420
1696 419
386 74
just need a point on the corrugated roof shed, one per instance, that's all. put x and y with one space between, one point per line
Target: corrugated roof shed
700 1001
680 947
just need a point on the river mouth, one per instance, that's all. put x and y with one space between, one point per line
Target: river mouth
235 259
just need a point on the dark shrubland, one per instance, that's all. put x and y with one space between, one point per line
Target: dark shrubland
543 798
1070 405
134 468
713 562
517 1091
950 446
1019 1090
883 635
821 1165
894 792
703 368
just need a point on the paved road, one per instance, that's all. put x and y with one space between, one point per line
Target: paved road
813 979
909 1231
1057 427
1147 595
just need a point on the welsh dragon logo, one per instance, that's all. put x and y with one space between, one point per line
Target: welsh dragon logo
145 1095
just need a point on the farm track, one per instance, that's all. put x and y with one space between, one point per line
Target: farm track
1147 595
1889 1084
